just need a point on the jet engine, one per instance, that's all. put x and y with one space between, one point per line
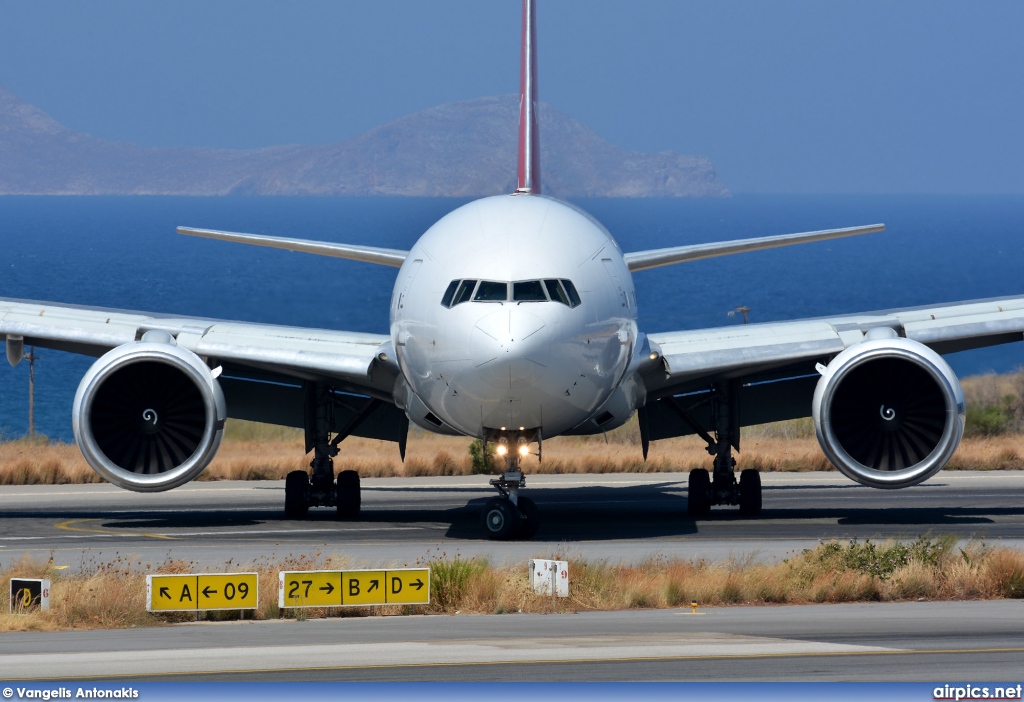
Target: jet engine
888 412
149 415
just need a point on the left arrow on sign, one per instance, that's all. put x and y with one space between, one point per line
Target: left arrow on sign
164 592
207 591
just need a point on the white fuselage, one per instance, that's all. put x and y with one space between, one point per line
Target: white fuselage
538 364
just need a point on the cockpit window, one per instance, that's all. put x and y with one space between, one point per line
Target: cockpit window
465 292
491 291
563 291
528 291
570 289
556 292
446 301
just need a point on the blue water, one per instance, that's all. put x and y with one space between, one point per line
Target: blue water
123 252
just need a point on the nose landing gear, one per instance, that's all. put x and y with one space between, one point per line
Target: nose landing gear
510 516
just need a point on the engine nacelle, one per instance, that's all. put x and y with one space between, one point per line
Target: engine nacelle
148 415
888 412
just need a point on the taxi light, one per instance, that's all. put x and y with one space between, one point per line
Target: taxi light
524 450
502 449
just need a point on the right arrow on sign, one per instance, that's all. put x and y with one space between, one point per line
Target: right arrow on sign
328 588
418 584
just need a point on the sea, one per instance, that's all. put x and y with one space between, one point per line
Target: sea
123 252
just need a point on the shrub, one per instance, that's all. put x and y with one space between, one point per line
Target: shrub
987 421
878 560
481 464
450 580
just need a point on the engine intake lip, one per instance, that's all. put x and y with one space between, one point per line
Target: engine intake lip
191 429
856 357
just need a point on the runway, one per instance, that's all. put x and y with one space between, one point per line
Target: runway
621 517
941 642
616 517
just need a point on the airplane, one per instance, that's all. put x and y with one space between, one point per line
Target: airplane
514 320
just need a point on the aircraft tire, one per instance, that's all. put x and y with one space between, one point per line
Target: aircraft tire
296 501
500 519
750 492
529 518
348 495
698 494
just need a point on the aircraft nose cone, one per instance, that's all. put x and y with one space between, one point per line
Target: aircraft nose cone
510 347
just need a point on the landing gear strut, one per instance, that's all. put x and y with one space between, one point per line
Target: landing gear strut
510 516
723 489
318 488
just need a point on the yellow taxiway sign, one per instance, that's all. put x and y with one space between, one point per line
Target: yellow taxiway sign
408 586
201 592
362 587
309 589
353 588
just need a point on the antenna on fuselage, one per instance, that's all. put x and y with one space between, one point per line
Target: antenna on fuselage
528 180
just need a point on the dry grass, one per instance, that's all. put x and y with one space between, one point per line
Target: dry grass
112 594
260 452
831 573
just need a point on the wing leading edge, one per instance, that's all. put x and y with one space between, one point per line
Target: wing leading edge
752 348
653 258
367 254
772 366
284 352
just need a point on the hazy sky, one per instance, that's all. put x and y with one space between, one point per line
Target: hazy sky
783 96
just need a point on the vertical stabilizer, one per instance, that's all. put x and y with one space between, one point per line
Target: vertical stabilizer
528 180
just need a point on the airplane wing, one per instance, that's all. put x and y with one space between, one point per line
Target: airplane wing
643 260
773 365
367 254
264 366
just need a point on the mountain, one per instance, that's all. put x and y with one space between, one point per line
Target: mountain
463 149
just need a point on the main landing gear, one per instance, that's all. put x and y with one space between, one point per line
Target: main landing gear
318 488
723 488
510 516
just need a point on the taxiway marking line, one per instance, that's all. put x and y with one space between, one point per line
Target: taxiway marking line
623 659
70 526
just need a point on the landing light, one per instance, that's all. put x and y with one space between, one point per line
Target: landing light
502 449
654 356
524 450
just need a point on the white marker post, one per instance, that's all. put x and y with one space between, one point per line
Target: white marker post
549 577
